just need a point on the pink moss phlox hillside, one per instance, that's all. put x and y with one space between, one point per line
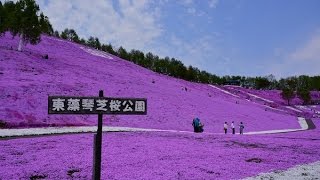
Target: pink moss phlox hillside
26 80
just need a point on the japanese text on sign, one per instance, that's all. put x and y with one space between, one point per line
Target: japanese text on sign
96 105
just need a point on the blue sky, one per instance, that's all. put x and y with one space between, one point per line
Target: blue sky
230 37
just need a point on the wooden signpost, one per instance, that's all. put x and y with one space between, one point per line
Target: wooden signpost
97 105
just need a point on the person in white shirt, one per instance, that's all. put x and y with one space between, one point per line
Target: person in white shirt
225 127
232 127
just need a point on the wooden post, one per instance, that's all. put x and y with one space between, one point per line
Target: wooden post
97 147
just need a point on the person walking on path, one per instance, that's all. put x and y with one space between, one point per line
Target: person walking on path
232 127
241 126
225 127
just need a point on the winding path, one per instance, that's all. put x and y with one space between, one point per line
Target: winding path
15 133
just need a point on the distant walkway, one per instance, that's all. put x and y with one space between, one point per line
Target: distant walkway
304 124
15 133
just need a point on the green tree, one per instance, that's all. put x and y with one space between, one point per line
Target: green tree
123 53
97 43
2 19
9 20
24 22
64 34
204 77
146 61
304 95
177 68
45 25
56 34
73 36
70 35
191 74
108 48
287 94
135 56
82 41
262 83
304 82
315 83
91 42
292 82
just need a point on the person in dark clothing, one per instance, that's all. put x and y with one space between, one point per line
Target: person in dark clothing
241 126
197 125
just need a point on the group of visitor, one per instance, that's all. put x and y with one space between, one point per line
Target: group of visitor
198 126
225 127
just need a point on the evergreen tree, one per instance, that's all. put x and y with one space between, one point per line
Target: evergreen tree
292 82
27 24
91 42
304 82
177 68
315 83
123 53
64 34
2 19
137 57
10 17
108 48
304 95
56 34
146 61
287 94
262 83
97 43
204 77
46 27
73 36
191 74
70 35
82 41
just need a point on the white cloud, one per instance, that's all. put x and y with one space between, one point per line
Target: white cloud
191 11
309 51
213 3
133 25
187 2
203 53
305 60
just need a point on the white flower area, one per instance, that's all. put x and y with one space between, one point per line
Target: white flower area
303 172
309 108
96 52
224 91
258 97
294 109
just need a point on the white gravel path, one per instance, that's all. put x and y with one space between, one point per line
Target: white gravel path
300 172
302 121
88 129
